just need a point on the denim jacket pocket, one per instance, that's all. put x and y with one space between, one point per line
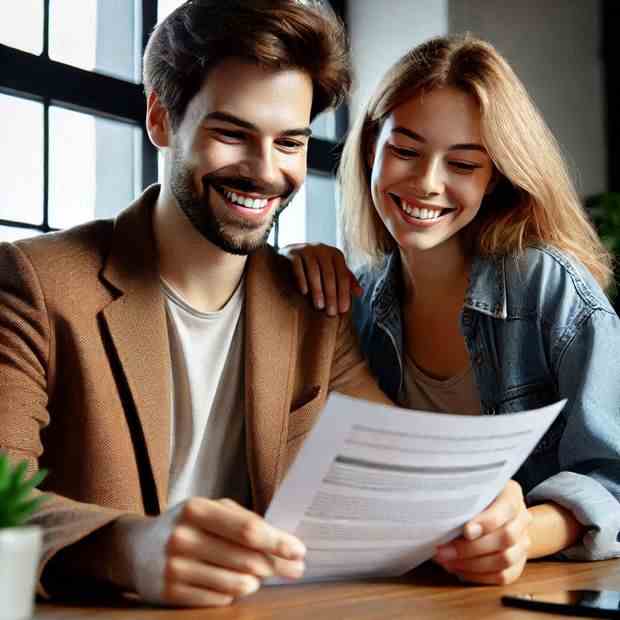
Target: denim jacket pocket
533 396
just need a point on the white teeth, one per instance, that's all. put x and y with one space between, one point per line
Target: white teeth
248 203
420 214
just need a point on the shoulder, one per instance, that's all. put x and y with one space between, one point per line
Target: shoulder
75 245
58 263
544 277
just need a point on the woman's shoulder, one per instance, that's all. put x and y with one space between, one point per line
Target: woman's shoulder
545 276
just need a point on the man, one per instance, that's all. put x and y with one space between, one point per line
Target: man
159 362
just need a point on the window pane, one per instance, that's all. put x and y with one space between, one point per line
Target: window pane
292 225
324 125
321 220
21 24
21 160
8 233
165 7
95 168
97 35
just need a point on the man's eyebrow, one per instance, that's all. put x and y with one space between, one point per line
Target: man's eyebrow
235 120
455 147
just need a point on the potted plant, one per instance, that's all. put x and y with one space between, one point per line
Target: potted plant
20 544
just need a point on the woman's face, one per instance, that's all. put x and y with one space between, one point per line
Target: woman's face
430 170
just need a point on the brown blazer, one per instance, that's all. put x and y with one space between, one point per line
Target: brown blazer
85 377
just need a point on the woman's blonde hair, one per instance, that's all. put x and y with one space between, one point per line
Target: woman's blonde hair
533 201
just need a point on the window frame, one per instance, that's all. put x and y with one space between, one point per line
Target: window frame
42 79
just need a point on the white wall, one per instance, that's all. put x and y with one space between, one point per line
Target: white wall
383 30
554 46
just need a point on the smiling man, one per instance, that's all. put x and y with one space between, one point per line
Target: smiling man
161 365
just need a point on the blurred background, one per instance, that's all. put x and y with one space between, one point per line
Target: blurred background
72 106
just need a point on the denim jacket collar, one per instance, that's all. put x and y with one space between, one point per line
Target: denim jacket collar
486 292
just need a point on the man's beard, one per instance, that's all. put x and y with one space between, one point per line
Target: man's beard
234 236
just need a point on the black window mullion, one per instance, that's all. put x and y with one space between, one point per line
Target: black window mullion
149 152
46 164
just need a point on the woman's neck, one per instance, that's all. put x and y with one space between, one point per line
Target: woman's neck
432 275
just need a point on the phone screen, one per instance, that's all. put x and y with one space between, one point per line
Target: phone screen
589 603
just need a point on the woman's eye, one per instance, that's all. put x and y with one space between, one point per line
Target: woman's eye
464 166
403 152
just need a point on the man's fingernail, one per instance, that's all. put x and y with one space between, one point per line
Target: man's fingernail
300 568
297 549
320 303
331 310
473 531
446 553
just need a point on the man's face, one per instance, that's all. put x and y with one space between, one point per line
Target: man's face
239 154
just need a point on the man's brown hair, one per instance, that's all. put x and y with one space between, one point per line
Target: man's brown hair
281 34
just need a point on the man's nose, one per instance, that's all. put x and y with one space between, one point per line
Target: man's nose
260 165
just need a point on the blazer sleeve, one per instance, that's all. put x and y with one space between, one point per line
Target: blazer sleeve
350 373
589 450
26 363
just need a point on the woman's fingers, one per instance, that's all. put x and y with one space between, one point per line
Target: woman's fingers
346 282
300 274
493 562
321 270
500 578
505 537
504 508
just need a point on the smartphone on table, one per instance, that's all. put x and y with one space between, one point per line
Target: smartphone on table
585 603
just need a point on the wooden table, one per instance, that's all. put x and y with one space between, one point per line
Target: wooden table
427 593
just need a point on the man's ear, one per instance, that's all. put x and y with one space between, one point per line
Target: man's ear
157 121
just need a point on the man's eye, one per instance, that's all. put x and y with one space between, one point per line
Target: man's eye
230 134
291 145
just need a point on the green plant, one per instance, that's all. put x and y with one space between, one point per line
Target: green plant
605 211
16 503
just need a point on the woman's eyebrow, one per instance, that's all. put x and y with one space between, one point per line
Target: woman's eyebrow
466 146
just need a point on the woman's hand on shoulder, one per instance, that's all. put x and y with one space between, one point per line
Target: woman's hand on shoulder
494 545
322 271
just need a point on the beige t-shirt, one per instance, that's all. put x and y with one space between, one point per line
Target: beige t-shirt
458 394
208 435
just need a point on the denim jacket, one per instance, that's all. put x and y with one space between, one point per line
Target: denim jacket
538 328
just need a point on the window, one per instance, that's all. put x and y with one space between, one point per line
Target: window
72 119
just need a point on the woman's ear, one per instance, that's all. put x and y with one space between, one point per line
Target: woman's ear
157 121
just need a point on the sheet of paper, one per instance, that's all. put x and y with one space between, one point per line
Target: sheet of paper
374 489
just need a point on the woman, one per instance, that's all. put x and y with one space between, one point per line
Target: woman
482 291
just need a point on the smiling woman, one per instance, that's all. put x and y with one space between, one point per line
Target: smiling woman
482 292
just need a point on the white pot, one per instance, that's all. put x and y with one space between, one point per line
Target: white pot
20 548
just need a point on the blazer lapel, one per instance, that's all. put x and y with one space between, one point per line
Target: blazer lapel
270 337
136 322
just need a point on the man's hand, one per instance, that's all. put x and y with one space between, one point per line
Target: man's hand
494 546
204 553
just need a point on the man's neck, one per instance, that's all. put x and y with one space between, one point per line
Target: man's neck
204 275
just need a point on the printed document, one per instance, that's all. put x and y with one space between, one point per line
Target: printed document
374 489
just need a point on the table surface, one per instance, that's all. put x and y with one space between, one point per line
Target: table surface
426 593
